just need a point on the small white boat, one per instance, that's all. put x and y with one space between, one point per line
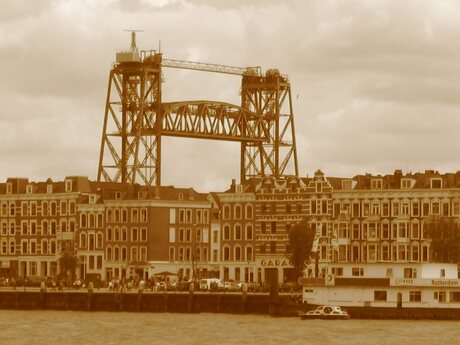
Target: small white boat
325 312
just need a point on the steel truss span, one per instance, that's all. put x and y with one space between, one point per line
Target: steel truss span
212 120
135 120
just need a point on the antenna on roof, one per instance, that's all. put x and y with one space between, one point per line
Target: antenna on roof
133 47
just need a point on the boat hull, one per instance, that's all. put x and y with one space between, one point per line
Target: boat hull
324 317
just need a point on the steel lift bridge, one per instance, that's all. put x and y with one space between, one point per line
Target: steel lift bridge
136 119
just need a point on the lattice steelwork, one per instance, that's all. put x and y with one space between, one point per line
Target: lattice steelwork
136 119
270 97
133 105
212 120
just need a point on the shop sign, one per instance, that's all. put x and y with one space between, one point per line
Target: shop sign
272 263
427 282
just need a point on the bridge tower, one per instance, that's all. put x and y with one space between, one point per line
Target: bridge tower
269 96
133 104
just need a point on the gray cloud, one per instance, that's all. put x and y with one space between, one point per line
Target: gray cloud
374 83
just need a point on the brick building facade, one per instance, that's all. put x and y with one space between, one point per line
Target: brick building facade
117 230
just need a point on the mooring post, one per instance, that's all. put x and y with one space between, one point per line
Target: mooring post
90 296
191 289
42 294
274 297
139 295
244 298
165 301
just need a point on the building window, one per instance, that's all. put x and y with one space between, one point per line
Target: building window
134 254
248 211
237 232
380 296
134 216
188 216
456 208
249 232
99 240
238 212
226 253
347 184
385 209
435 183
143 234
410 273
71 208
376 184
226 210
134 235
402 252
357 272
226 232
405 209
144 215
172 252
109 253
116 235
83 243
172 235
143 254
406 184
109 234
181 216
415 296
199 216
237 253
249 253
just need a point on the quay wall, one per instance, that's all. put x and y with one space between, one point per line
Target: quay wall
173 302
142 302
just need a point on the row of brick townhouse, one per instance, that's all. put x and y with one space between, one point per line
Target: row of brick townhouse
118 230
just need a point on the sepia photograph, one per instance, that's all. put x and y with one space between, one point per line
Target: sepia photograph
229 172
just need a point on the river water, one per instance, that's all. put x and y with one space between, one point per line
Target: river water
94 328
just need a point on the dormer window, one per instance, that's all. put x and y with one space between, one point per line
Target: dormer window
117 195
9 188
435 183
406 183
49 189
68 186
376 184
92 199
141 195
29 189
347 184
181 196
239 188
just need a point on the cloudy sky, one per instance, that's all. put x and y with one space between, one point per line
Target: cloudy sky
375 83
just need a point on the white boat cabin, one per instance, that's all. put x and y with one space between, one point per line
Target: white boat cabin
403 285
